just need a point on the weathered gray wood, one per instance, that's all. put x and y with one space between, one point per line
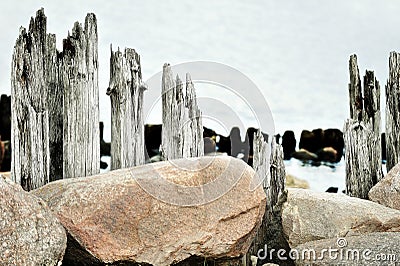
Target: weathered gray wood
359 141
55 99
393 112
193 145
126 94
171 115
278 175
372 107
36 107
362 133
261 160
355 90
268 164
372 95
79 81
182 131
55 104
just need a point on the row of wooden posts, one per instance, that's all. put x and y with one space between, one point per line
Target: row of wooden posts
362 132
55 118
55 107
55 112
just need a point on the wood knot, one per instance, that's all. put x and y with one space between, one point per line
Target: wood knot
359 125
143 86
110 91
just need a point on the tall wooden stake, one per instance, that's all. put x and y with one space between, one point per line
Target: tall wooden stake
36 108
268 164
362 133
182 131
55 105
393 112
79 81
126 94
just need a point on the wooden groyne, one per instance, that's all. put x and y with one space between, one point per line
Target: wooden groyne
362 133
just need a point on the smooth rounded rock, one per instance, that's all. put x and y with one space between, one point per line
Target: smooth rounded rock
110 218
308 215
387 191
30 234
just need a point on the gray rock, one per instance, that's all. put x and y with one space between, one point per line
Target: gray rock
111 218
309 216
387 191
370 249
30 234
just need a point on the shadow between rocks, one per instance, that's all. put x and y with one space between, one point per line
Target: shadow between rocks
76 255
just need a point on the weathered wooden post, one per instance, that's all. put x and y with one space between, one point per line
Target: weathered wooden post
268 164
193 145
79 82
54 104
261 159
36 107
126 94
182 131
362 133
393 112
